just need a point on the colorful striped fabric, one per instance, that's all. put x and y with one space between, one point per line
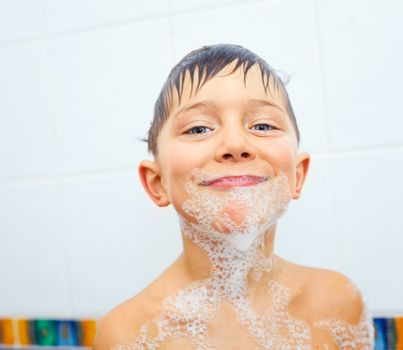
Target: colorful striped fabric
388 333
42 332
80 333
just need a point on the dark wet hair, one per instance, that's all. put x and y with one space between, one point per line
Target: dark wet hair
206 63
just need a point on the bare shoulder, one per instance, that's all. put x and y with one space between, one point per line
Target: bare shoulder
121 325
326 294
334 295
340 315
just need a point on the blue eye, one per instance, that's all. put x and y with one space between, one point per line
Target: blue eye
263 127
198 130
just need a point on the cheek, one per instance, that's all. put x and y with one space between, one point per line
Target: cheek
177 163
282 157
183 158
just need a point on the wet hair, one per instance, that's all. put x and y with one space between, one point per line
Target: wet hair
202 65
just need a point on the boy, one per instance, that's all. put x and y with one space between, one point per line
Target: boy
225 144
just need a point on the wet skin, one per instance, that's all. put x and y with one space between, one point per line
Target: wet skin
232 128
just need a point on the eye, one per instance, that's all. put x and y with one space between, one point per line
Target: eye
263 127
198 130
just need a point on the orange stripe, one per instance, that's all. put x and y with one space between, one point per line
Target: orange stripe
89 329
23 332
399 331
7 332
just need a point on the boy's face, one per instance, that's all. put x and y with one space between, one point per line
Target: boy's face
228 128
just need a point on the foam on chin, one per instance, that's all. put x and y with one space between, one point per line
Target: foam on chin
237 215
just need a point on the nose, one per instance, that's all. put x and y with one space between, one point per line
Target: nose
235 147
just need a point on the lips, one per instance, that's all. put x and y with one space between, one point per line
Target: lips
235 181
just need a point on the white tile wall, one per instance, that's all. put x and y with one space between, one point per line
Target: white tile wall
78 80
32 252
368 210
21 20
362 55
70 15
197 5
105 84
27 144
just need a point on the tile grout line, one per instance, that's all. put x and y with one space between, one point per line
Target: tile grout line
171 35
65 261
131 21
67 177
332 214
128 170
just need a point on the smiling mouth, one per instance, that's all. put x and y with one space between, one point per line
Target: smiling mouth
235 181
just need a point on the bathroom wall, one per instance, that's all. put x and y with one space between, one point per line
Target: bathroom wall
78 80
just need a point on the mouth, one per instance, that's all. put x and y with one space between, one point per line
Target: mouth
235 181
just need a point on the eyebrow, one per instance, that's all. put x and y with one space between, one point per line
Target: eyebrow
263 103
186 108
210 103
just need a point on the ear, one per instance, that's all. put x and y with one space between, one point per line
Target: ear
302 168
150 176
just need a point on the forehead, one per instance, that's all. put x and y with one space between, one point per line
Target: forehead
228 87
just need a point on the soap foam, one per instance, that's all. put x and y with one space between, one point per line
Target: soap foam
237 215
229 226
347 336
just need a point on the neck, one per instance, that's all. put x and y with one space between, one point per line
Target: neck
206 257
